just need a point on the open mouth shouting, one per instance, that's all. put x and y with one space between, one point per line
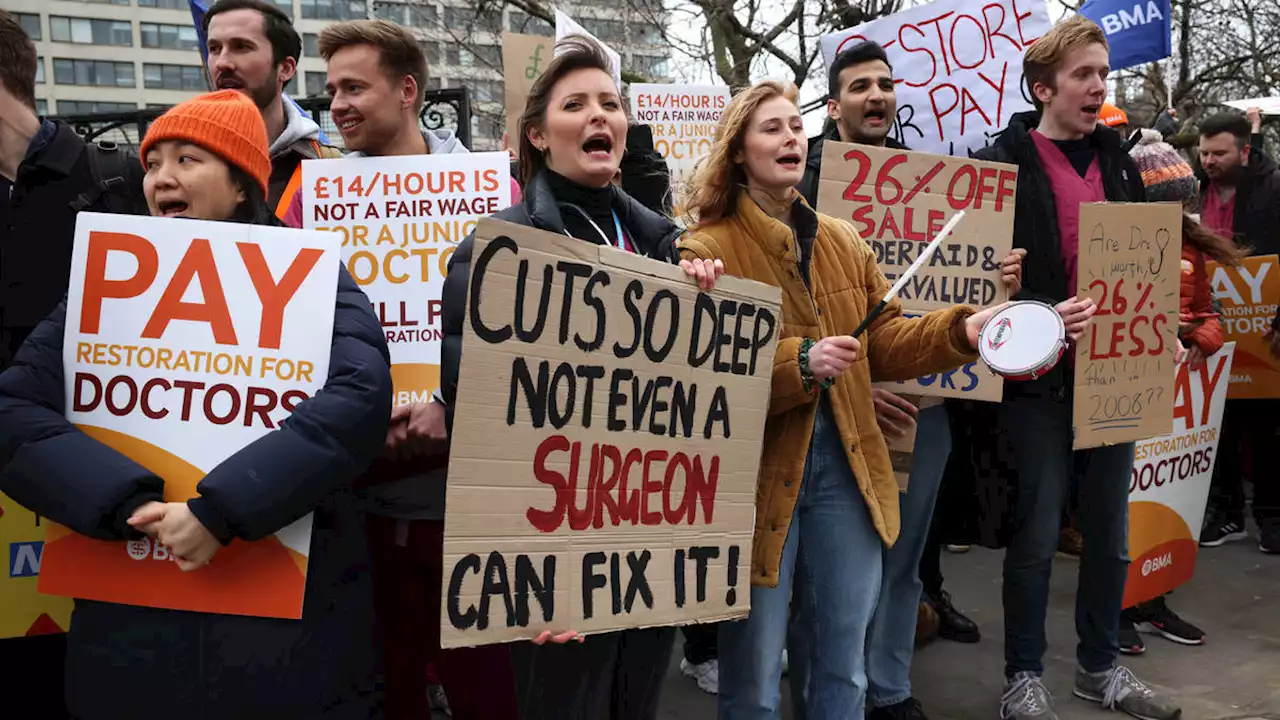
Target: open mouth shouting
171 208
875 117
599 146
790 161
1091 111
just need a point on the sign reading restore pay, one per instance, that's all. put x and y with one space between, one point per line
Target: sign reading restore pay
606 444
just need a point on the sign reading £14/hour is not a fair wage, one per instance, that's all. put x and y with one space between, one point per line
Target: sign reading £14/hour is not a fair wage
604 460
400 219
185 342
898 201
683 118
1129 263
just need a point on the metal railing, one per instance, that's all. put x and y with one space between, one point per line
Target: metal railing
447 108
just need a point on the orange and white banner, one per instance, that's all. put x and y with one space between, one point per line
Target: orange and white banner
1170 484
186 341
1248 294
399 220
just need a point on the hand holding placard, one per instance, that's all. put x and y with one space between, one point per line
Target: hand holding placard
174 525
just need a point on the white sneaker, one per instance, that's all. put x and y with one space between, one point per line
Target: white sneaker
786 665
707 674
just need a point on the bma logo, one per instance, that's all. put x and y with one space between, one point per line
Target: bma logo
1156 564
144 548
1123 20
24 559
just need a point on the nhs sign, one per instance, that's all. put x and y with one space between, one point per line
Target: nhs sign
1138 31
24 559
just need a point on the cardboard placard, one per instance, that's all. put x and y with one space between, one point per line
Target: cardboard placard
566 26
1170 485
1129 263
1248 295
606 443
185 341
400 219
23 610
898 201
684 119
957 65
524 57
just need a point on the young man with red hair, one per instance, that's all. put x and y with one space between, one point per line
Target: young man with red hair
1065 157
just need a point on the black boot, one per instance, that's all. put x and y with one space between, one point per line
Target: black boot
953 625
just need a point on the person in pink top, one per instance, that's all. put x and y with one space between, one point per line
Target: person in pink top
1065 157
1240 193
376 76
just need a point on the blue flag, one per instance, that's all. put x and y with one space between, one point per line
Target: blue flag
198 10
1138 31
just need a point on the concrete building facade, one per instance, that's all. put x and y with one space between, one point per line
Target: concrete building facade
99 56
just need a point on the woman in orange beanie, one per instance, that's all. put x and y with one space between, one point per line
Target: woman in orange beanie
206 159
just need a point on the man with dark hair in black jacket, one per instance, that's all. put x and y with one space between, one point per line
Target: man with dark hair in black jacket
47 174
861 107
1240 198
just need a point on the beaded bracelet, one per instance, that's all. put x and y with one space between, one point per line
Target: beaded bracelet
806 372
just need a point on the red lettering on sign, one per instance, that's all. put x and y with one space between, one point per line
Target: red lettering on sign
671 487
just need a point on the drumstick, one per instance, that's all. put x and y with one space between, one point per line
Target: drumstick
902 280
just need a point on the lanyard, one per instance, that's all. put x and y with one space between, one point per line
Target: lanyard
621 242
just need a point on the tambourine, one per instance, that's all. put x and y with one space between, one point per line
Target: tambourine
1023 341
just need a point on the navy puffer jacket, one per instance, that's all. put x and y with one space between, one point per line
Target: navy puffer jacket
140 663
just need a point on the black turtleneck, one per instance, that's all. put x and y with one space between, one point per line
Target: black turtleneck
596 203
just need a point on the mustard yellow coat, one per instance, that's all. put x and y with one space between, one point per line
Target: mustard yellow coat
846 285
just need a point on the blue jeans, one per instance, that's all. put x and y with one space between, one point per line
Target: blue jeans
1040 431
833 556
891 637
891 643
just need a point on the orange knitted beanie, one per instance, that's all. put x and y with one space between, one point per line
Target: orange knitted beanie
225 122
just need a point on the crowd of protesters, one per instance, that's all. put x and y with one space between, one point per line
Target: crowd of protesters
845 567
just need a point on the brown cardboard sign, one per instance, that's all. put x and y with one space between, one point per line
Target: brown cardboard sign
524 57
1129 263
898 201
606 441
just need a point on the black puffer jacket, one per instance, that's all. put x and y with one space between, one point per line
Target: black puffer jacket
136 663
1035 218
1256 223
653 235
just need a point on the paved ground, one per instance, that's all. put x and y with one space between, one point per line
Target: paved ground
1235 597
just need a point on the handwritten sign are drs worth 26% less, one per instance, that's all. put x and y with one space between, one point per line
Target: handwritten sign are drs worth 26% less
1129 264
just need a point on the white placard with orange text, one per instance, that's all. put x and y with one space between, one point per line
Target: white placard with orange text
400 219
683 119
185 341
957 68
